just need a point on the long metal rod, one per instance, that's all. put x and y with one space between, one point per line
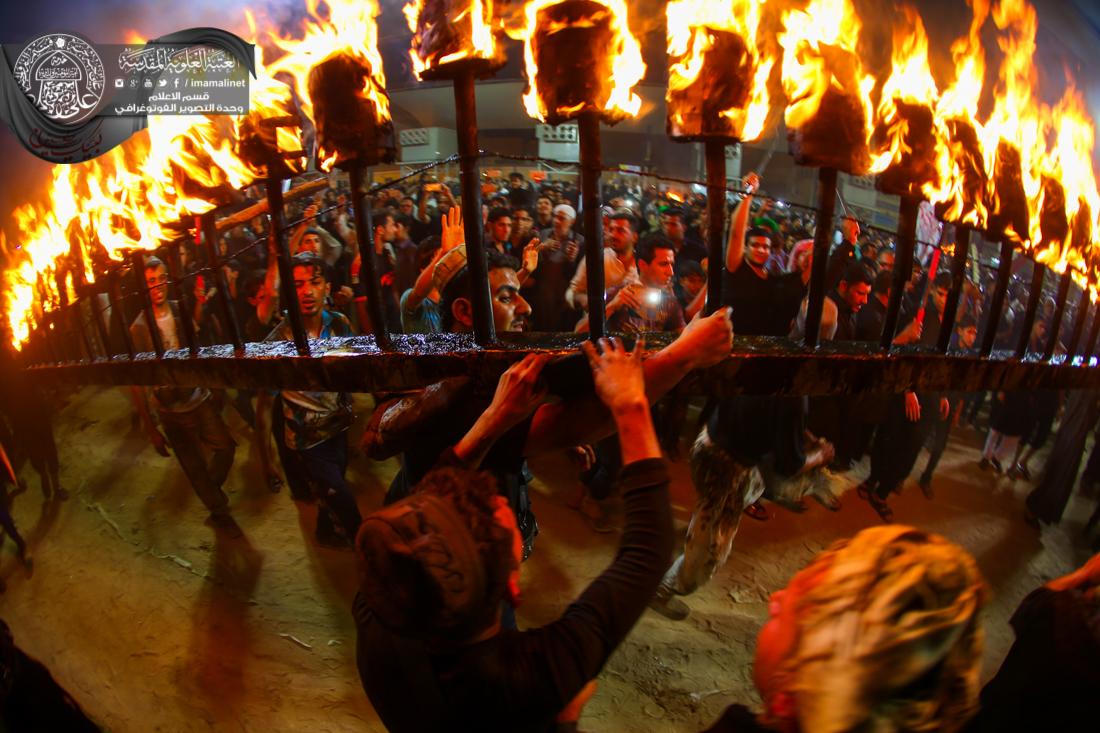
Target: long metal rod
591 163
187 319
958 277
368 259
137 274
1059 314
100 324
468 152
1079 318
823 238
1094 333
1035 294
715 152
288 296
997 304
79 278
118 313
908 208
225 300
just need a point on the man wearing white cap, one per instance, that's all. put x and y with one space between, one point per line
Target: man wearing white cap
558 254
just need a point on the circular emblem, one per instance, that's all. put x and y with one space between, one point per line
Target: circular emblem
63 76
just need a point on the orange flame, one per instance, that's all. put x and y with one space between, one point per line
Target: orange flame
347 29
960 162
911 83
444 35
616 101
692 25
819 53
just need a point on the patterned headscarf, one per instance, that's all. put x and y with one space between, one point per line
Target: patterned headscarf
888 637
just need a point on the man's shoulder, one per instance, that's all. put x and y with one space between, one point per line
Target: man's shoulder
338 323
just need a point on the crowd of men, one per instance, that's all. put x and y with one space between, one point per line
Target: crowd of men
440 560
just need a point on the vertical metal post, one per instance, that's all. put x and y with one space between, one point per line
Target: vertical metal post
187 320
715 151
1094 332
100 325
1000 290
470 176
1035 294
908 208
1059 314
137 266
591 163
1083 304
229 315
958 276
288 296
118 312
823 238
76 270
368 259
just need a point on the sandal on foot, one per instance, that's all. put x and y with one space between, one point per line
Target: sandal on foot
758 512
881 508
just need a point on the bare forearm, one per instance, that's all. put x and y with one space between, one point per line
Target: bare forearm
637 438
735 248
475 444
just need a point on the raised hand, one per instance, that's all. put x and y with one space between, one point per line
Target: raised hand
617 373
453 233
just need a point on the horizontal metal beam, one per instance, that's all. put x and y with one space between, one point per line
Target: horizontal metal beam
756 366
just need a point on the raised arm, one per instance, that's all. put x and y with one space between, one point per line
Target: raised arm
735 248
577 645
704 342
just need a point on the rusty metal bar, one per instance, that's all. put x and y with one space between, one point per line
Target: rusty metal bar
118 313
908 208
225 301
715 151
288 296
591 164
137 265
823 238
997 305
1059 314
958 277
368 259
1035 295
756 366
187 319
468 153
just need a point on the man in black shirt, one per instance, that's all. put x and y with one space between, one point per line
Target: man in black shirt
763 304
674 227
850 296
437 566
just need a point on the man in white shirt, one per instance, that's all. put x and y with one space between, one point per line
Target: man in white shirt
619 267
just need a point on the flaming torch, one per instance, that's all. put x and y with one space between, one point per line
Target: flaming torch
340 84
582 64
909 139
828 116
717 93
453 39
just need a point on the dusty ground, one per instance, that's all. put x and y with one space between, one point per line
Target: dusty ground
153 623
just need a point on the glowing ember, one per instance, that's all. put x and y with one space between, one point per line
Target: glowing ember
829 108
580 56
450 33
717 78
338 75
